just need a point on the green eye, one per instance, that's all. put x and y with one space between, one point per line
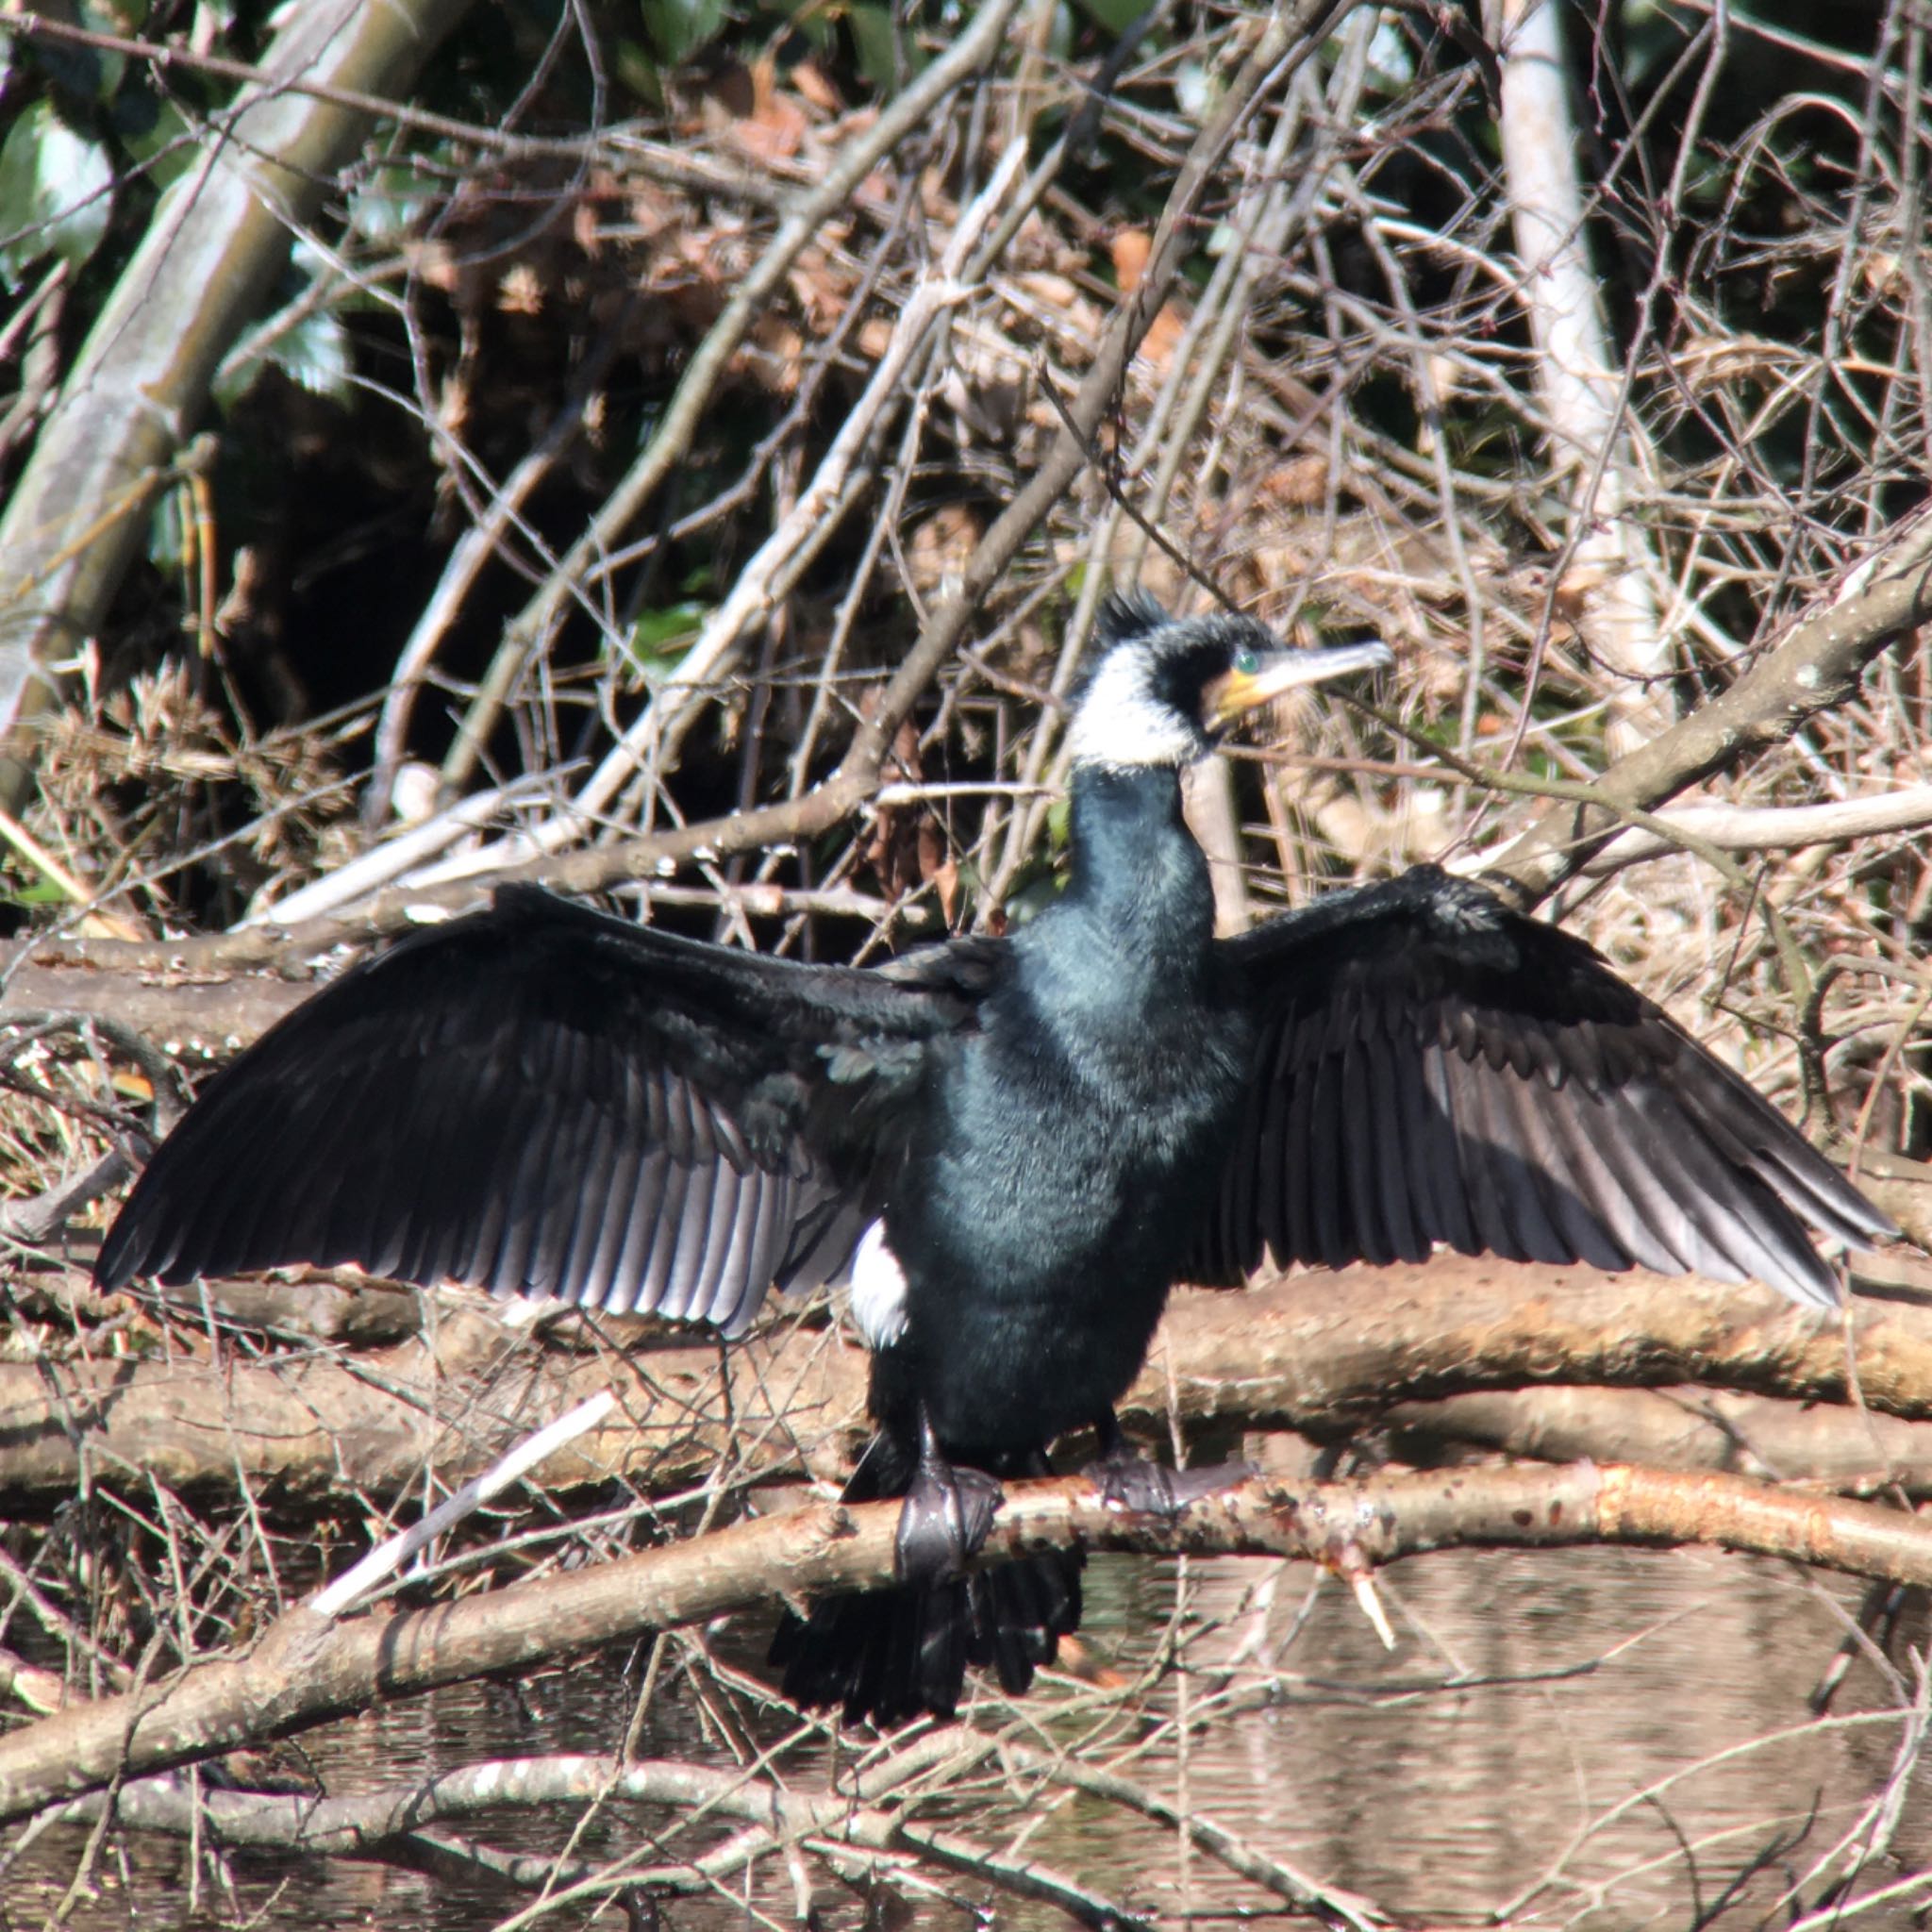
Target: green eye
1246 663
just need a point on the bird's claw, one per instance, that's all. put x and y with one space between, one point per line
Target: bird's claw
946 1515
1147 1488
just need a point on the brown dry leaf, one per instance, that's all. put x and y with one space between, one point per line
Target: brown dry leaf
906 848
878 191
1885 275
775 128
587 211
941 545
1130 249
434 264
1301 482
1058 304
1163 337
875 336
1040 246
946 883
1708 362
651 209
519 292
934 199
1052 290
820 290
453 406
719 251
779 359
1574 587
811 81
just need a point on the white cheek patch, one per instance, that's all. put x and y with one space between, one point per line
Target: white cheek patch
1121 722
879 1289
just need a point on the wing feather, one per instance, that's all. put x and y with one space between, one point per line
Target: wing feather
544 1100
1432 1067
1394 1187
1452 1222
1480 1159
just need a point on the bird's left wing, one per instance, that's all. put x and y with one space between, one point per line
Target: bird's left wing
544 1100
1431 1066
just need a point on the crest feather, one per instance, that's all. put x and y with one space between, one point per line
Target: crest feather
1125 614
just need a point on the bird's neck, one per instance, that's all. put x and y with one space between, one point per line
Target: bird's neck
1138 872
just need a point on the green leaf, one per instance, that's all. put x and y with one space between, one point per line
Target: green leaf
632 64
314 355
1114 15
875 41
810 19
659 639
386 204
155 133
56 193
1195 90
679 27
1033 894
167 537
312 351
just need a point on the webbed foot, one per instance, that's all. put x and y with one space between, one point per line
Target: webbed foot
946 1516
1150 1489
1131 1482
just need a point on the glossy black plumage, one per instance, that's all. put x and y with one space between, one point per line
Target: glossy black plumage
887 1656
544 1100
1432 1067
1052 1128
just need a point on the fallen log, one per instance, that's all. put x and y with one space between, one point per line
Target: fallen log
1321 1354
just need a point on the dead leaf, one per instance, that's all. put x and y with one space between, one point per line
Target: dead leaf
1130 249
1301 482
1164 336
775 128
940 547
519 292
811 82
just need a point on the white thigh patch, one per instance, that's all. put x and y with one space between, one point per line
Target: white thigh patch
879 1289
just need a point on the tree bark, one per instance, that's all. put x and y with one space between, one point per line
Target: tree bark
307 1669
1325 1354
142 379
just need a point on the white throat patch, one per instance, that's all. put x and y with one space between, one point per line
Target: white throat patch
1121 723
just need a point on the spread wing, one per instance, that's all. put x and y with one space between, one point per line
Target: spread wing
1431 1066
544 1100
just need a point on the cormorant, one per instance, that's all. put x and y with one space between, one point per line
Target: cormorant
1012 1146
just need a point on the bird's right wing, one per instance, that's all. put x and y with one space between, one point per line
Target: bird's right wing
544 1100
1432 1066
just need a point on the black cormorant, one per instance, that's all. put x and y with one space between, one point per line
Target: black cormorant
1012 1147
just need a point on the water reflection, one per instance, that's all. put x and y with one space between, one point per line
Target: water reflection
1592 1738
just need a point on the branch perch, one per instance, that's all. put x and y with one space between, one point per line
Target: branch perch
305 1669
1817 666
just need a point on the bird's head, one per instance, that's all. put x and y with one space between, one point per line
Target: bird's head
1164 691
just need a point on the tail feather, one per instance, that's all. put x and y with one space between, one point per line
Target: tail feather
889 1655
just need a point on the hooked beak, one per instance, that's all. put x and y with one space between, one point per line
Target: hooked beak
1235 693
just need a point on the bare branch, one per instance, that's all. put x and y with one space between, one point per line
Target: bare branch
1271 1358
305 1669
1816 666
